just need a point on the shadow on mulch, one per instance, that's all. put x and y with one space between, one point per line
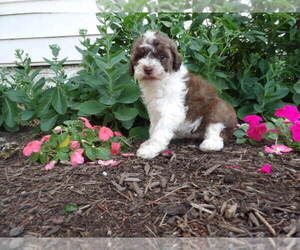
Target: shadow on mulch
190 194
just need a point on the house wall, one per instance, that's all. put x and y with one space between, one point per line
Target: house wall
32 25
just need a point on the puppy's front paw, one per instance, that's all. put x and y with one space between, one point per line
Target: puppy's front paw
147 151
211 145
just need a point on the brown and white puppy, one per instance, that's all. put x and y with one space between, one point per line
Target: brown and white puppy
180 104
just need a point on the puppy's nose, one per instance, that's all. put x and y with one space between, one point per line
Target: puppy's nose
148 70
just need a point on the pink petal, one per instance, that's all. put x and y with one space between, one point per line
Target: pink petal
252 119
269 150
256 131
128 154
57 129
86 122
167 153
295 129
289 112
50 165
115 148
283 148
45 138
32 147
105 134
117 133
111 163
76 157
278 149
74 145
267 168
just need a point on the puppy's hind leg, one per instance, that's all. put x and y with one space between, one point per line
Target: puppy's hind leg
212 137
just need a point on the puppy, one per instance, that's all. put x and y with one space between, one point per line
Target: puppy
180 104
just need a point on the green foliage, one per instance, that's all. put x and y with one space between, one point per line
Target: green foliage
72 136
103 87
253 61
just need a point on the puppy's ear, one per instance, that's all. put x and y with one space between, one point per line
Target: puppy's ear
176 58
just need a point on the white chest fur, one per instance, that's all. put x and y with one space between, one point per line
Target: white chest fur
166 98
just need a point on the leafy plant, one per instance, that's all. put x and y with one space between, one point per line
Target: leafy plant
75 142
283 129
104 88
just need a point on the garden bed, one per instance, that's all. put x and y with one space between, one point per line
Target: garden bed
189 194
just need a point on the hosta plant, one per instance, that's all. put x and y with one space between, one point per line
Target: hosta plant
283 130
76 142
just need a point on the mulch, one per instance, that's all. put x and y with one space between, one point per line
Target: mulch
189 194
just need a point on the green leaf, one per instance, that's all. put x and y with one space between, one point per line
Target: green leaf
45 102
26 115
117 57
239 133
91 153
70 208
212 49
10 111
246 109
139 133
47 123
199 57
15 95
166 23
221 74
59 101
129 95
107 100
91 108
39 85
296 98
128 124
102 153
241 140
297 87
125 113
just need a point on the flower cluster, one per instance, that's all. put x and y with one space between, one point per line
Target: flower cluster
284 129
75 143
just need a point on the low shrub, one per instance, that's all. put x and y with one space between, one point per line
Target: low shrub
76 142
253 61
282 129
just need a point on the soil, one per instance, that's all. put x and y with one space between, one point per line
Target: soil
189 194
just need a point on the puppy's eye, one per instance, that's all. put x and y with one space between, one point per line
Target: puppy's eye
162 57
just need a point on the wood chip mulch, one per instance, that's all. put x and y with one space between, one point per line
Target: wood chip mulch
188 194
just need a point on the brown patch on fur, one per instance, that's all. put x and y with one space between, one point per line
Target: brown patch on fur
202 101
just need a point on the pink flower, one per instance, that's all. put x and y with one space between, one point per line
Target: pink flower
74 144
115 148
105 134
252 119
57 129
111 163
76 157
45 138
167 153
289 112
278 149
32 147
128 154
256 131
267 168
295 129
50 165
86 122
117 133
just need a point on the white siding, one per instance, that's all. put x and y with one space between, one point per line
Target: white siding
32 25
